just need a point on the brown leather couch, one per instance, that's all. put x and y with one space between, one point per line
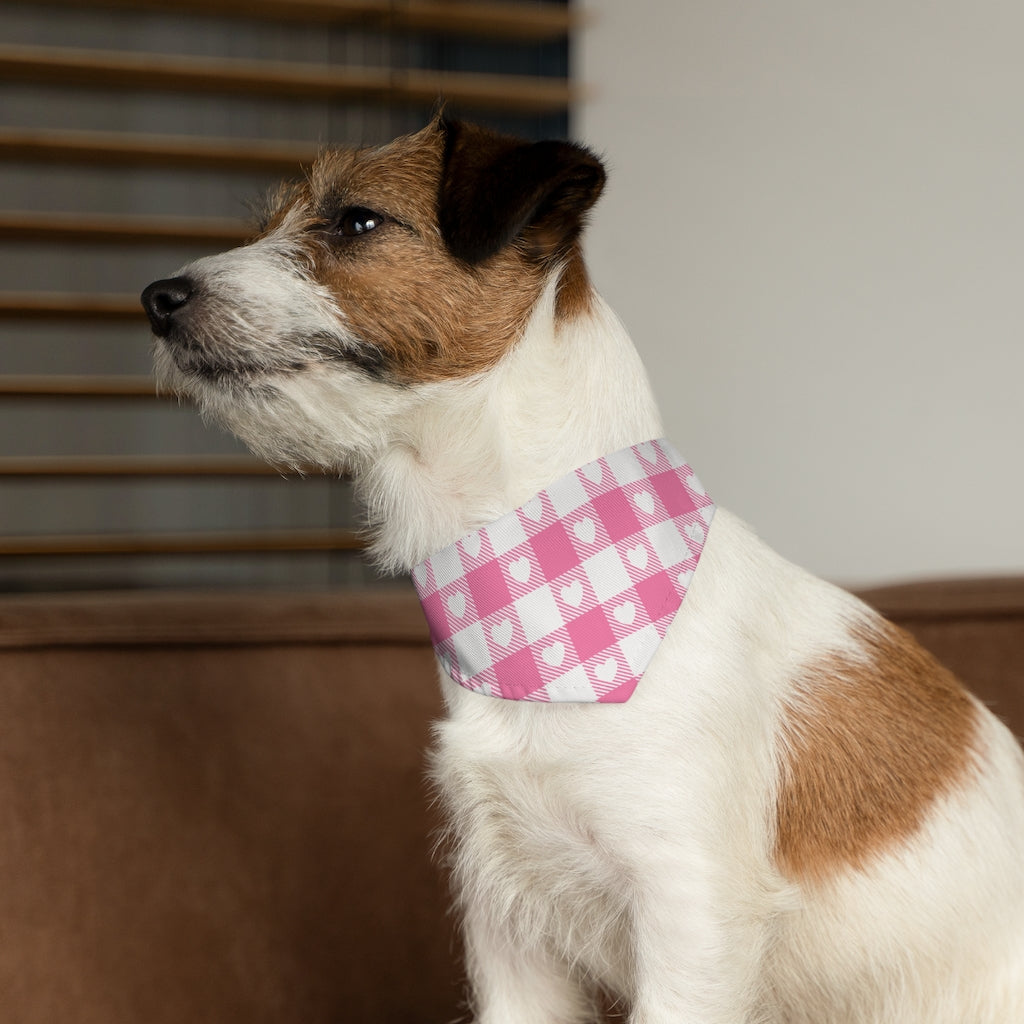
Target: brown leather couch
213 807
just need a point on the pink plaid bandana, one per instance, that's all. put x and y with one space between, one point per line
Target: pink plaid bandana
568 597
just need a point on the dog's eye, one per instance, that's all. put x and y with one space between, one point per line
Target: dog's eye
357 220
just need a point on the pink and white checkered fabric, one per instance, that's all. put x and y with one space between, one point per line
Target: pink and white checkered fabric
568 597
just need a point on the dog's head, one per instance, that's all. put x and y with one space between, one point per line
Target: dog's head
385 272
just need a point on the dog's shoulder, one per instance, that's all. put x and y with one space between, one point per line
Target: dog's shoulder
870 730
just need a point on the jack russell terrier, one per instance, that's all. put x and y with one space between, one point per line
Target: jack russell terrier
678 771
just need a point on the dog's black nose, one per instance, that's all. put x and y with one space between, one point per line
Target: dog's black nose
163 299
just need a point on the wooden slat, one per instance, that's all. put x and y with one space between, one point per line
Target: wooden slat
141 466
31 226
119 149
76 386
66 66
516 21
497 20
69 306
193 543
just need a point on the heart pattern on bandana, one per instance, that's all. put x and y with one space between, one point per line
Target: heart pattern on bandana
568 597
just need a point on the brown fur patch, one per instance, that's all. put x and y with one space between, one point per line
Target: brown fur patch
869 745
427 315
575 293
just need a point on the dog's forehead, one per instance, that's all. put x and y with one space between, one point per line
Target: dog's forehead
401 176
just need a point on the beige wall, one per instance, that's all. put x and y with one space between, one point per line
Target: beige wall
815 232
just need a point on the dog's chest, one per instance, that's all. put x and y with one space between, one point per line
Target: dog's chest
530 838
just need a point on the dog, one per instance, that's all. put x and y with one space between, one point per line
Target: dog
792 814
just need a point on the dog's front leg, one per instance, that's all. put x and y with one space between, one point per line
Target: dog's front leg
512 982
699 957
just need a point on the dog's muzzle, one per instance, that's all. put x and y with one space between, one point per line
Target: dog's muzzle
164 302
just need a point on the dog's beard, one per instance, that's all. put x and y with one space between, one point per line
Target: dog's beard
300 402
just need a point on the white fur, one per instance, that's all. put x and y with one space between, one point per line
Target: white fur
631 846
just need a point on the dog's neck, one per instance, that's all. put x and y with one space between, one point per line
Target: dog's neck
570 392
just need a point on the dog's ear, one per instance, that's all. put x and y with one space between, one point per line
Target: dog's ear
496 190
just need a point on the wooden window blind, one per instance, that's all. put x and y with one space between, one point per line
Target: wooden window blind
131 138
